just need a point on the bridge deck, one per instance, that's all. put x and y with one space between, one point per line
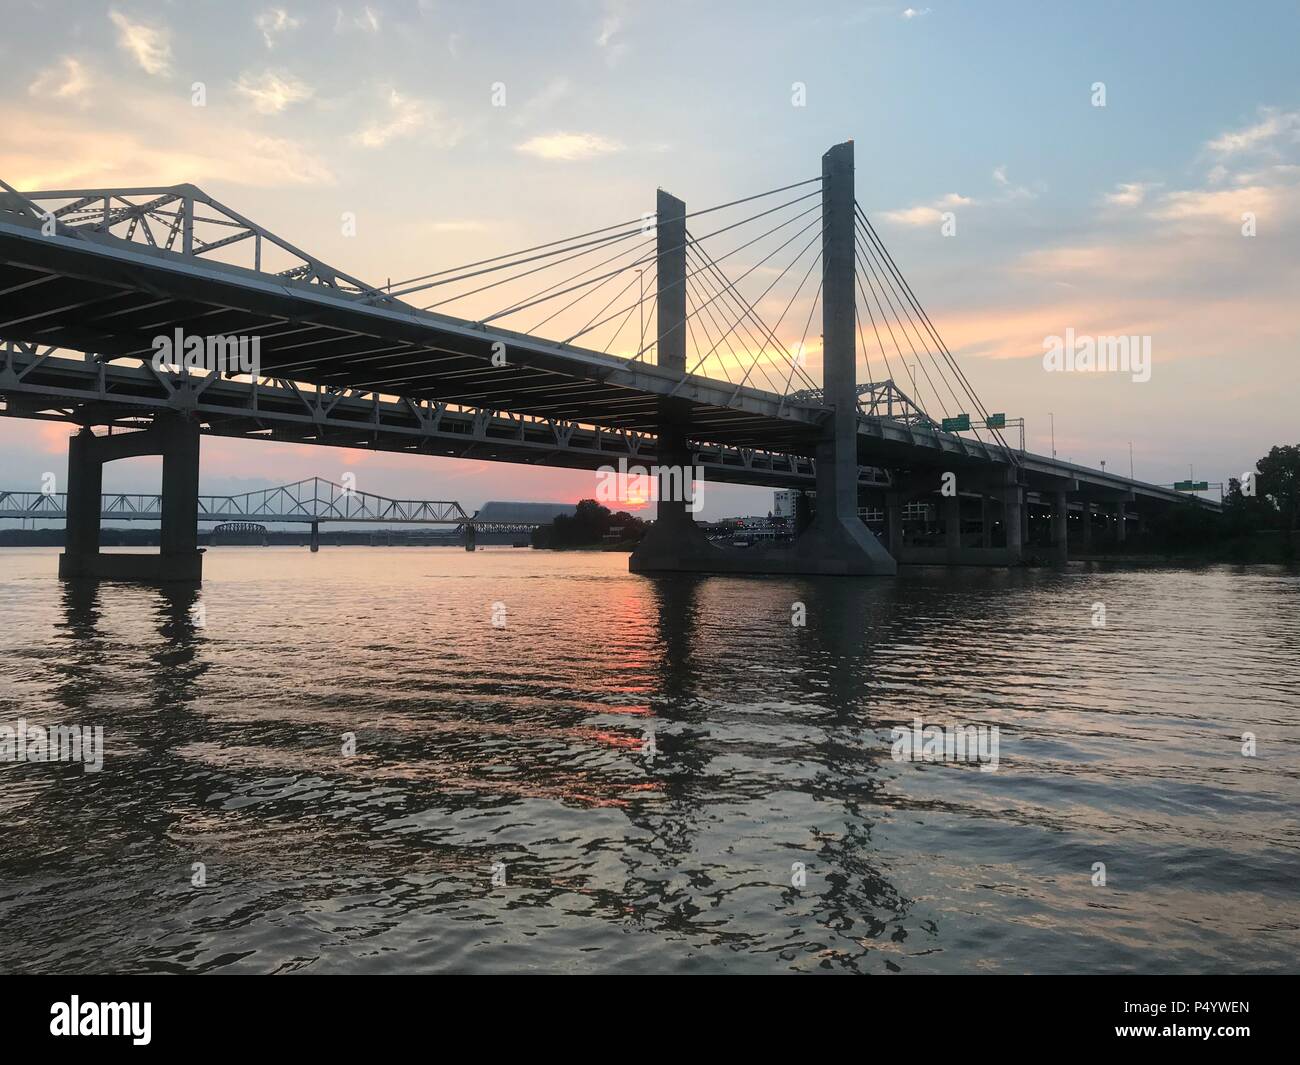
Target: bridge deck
90 291
93 292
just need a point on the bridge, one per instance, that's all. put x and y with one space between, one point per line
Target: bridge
93 282
313 501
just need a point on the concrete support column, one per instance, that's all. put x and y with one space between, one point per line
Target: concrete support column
1024 520
837 542
1087 527
894 524
85 486
670 294
839 369
838 537
1013 509
674 541
315 536
1121 533
952 524
1060 526
179 440
670 239
986 521
176 439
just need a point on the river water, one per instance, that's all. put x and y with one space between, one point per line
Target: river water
560 766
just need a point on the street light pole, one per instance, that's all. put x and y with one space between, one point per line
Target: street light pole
1052 416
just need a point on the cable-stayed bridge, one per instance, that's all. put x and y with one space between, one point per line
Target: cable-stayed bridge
666 339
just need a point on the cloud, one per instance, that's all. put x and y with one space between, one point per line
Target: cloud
1129 194
567 147
270 93
1009 191
1256 170
911 12
611 25
364 20
1175 265
1275 126
1170 263
544 100
65 80
149 46
273 22
1220 205
159 144
408 116
927 214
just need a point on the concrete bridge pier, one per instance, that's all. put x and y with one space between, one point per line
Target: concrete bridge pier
837 542
315 537
993 495
674 541
176 439
1120 510
1015 512
1060 525
894 523
952 527
1085 538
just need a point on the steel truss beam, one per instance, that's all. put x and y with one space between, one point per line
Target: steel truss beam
312 500
37 383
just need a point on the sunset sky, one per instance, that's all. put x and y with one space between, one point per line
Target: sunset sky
1125 219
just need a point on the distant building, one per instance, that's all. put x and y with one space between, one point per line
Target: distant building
784 502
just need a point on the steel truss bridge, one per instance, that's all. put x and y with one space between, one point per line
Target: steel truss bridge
507 361
313 500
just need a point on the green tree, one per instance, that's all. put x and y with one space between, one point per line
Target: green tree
1279 482
1243 514
587 527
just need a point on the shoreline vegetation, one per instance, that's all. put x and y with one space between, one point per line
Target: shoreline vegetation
590 527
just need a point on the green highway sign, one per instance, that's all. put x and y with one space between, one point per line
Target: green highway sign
997 421
1191 486
957 424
